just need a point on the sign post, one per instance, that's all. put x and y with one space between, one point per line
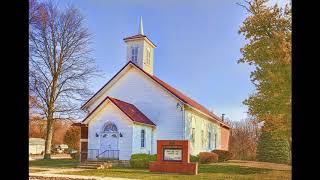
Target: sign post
173 157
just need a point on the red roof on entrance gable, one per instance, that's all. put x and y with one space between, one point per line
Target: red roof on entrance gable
129 109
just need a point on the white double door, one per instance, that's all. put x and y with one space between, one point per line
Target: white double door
109 141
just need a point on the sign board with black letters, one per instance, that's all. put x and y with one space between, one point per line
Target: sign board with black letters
172 154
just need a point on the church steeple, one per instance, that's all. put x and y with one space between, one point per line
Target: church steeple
140 27
140 50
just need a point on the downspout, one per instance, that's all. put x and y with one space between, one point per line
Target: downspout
132 139
80 145
183 123
151 152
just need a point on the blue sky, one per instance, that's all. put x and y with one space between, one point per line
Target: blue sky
197 46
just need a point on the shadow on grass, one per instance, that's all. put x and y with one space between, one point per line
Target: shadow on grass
54 163
231 169
212 168
129 170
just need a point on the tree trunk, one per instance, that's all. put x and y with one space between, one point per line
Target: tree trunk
47 154
50 118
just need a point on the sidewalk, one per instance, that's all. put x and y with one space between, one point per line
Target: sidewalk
51 172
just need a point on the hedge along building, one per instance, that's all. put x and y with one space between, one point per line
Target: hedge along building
135 109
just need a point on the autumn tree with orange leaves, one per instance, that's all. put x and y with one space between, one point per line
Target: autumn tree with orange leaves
268 32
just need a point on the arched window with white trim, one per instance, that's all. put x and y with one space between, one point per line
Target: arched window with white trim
110 127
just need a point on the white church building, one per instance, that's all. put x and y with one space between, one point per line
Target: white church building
135 109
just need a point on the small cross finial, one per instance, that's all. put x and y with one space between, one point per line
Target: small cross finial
141 26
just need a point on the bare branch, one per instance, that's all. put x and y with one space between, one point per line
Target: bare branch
60 62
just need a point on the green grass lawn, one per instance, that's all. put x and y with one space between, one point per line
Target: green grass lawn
212 171
54 163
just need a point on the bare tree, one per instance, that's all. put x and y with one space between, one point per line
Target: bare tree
34 10
60 63
244 137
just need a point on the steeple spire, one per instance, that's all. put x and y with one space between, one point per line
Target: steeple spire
140 50
141 26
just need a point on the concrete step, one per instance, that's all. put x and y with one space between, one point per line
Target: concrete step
104 164
92 163
88 167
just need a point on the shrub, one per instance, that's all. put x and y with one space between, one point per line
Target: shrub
208 157
194 158
223 155
75 156
71 138
142 160
271 149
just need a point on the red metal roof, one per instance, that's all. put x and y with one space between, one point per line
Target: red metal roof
181 96
137 37
185 98
129 109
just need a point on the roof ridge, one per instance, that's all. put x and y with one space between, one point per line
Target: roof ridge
184 97
194 101
180 95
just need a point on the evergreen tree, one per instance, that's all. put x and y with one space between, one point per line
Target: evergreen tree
271 149
268 31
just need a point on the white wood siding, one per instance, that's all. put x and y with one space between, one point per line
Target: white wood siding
136 143
150 98
109 112
147 67
199 122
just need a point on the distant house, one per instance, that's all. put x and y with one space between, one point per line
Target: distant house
36 145
61 148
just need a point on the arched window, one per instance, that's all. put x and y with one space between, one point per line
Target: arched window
148 56
143 134
134 54
110 127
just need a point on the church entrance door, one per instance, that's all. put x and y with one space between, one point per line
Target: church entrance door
109 141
